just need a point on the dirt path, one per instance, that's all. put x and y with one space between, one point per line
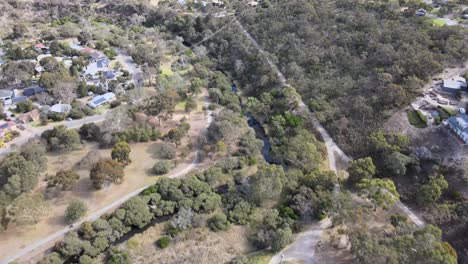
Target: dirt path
39 246
302 248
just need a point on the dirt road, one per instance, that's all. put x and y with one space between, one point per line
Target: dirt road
302 249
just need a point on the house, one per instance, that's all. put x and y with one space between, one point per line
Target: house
252 3
108 75
41 47
101 99
6 95
459 125
6 128
61 108
421 12
29 116
452 86
30 91
16 100
103 63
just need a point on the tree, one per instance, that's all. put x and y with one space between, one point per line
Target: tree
65 179
361 169
281 238
121 153
34 151
25 106
90 131
161 167
27 209
162 106
266 183
60 138
20 174
165 151
75 210
380 192
118 256
190 105
195 86
105 172
136 212
52 258
218 222
65 91
396 163
431 192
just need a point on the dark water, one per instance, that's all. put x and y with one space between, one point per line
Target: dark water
259 131
260 134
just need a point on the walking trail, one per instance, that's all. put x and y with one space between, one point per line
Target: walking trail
302 249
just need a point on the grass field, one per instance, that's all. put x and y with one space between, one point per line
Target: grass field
438 22
416 119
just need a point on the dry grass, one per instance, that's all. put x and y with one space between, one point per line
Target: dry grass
136 176
196 246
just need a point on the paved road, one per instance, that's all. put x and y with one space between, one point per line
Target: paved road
33 132
53 237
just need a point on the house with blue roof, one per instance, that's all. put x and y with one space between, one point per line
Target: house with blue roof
101 99
459 125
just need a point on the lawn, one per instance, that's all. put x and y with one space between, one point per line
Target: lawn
417 119
438 22
259 257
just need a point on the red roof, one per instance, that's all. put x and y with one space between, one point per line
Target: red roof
40 46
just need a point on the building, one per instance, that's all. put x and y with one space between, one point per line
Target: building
453 86
6 128
29 116
41 47
16 100
421 12
30 91
108 75
6 95
101 99
61 108
252 3
459 125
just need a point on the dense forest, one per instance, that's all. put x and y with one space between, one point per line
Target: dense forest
354 61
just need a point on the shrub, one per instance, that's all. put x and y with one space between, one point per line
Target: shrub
163 242
25 106
115 103
161 167
218 222
75 210
165 151
76 113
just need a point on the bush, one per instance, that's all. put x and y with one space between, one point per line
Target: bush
163 242
115 103
60 138
76 113
25 106
218 222
161 167
75 210
165 151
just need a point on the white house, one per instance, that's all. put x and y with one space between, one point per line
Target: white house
101 99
